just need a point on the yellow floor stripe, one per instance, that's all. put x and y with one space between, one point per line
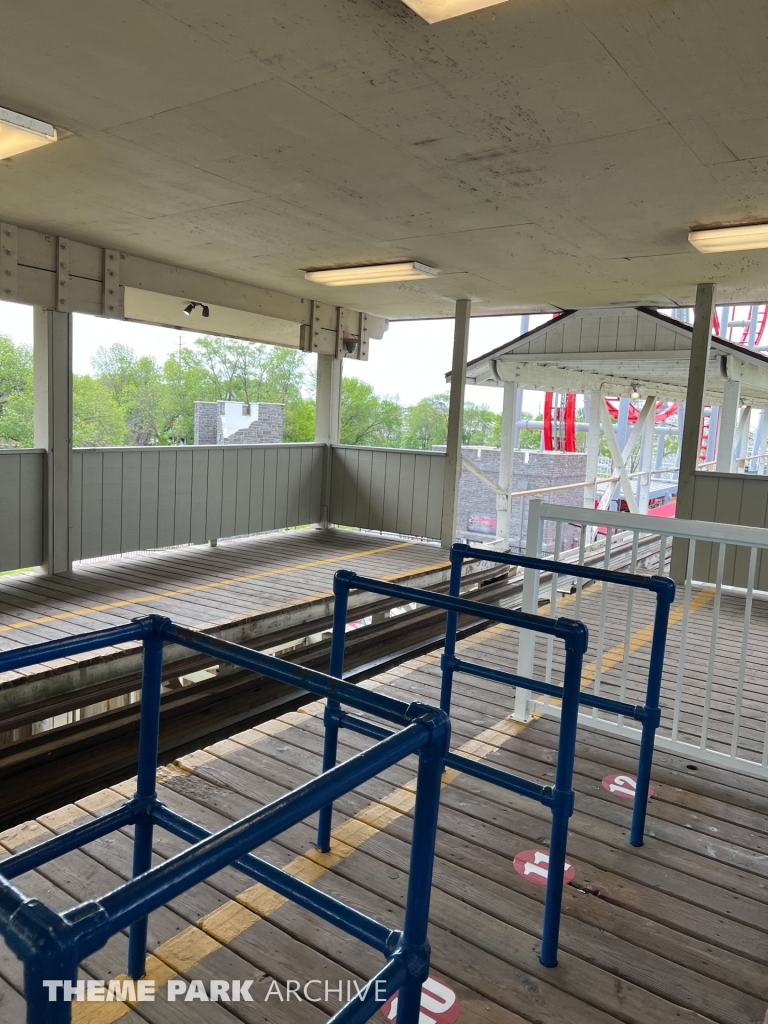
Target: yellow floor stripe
181 953
148 598
185 950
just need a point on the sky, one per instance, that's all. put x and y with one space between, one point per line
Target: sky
410 361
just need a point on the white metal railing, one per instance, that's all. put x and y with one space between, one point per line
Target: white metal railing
715 686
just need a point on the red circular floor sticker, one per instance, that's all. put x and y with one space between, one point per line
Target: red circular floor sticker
439 1004
623 785
534 865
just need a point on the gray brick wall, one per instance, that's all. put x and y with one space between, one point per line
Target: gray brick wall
206 422
266 429
530 469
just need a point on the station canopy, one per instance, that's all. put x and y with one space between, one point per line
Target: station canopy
540 154
620 352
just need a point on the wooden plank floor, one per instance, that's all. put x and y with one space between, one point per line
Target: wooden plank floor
235 583
676 931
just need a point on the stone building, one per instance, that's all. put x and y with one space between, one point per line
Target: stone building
530 469
231 422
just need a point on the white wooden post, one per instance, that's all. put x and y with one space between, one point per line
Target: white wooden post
328 399
53 430
506 457
527 640
646 455
729 412
328 420
455 422
593 401
694 404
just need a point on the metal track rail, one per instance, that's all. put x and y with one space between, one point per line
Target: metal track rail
46 770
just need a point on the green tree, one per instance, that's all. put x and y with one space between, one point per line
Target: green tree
98 421
426 423
366 418
16 401
299 420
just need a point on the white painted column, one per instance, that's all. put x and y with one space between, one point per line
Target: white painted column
729 413
53 430
694 399
506 457
646 457
592 403
455 421
328 399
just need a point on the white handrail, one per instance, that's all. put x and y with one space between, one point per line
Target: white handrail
726 533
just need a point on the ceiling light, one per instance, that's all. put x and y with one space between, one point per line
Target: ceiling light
745 236
190 308
440 10
381 274
18 133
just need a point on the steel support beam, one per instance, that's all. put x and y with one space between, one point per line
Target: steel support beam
694 399
455 421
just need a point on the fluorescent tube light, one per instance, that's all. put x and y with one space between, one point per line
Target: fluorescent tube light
383 273
441 10
745 236
18 133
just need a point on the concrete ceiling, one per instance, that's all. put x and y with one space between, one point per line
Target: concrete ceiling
540 153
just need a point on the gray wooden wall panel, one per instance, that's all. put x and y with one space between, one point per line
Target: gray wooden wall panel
21 509
730 498
133 499
387 489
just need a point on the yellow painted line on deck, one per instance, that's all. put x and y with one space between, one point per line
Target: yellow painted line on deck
197 588
184 951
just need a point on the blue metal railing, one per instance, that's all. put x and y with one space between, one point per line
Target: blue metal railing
51 945
648 714
559 798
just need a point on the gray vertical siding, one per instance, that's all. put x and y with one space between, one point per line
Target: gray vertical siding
387 489
132 499
730 498
21 508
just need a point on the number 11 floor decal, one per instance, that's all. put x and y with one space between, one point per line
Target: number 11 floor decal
534 866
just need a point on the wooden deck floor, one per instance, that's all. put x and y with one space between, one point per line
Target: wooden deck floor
674 932
240 588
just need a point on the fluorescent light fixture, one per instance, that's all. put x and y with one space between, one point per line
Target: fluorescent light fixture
18 133
745 236
441 10
383 273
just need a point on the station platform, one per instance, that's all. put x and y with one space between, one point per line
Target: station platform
672 931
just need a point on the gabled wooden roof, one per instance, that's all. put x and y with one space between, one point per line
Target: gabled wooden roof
618 351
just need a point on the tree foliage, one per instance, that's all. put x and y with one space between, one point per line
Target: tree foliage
129 399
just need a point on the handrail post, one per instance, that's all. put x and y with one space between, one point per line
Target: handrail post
415 944
333 707
563 799
664 599
451 625
146 788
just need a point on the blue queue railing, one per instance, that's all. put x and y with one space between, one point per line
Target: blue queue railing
51 945
559 798
648 714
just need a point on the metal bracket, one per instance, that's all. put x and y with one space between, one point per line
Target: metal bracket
112 304
62 275
340 352
9 256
